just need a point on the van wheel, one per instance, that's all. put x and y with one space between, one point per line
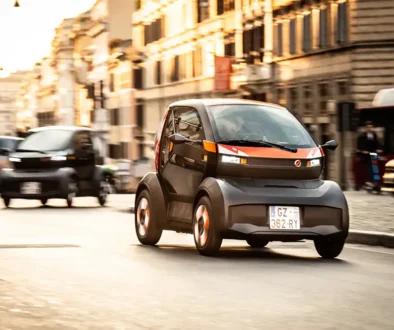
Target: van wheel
103 192
256 243
72 191
147 225
329 248
7 201
206 235
44 201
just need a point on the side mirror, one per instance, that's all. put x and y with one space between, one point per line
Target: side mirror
5 151
330 145
87 146
178 139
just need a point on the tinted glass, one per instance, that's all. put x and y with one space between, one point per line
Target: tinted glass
9 143
189 124
260 122
50 140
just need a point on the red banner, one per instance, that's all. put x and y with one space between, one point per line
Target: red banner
222 73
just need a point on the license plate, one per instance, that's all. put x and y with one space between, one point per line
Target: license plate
285 218
31 188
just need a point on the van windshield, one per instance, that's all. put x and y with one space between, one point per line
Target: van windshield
254 122
50 140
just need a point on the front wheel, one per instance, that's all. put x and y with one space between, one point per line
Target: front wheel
44 201
72 191
146 219
329 248
103 192
206 235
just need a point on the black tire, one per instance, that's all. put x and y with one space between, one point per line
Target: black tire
44 201
146 220
329 248
256 243
206 227
7 202
103 192
72 191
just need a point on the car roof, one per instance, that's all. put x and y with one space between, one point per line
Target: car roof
10 138
222 101
63 128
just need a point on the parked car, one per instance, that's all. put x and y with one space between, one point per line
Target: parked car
54 162
238 169
7 145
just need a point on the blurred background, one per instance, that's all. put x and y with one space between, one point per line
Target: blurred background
115 65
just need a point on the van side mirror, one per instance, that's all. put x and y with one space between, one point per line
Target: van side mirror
5 151
330 145
178 139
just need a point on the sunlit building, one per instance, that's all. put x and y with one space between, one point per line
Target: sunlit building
9 92
110 20
181 40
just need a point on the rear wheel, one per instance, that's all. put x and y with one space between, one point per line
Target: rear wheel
206 235
329 248
7 201
146 219
256 243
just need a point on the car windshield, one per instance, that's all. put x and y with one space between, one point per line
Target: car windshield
9 143
50 140
250 122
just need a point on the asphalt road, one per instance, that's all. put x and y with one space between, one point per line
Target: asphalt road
83 268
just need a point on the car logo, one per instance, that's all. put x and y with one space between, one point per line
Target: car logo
297 163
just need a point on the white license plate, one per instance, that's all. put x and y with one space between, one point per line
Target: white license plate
285 218
31 188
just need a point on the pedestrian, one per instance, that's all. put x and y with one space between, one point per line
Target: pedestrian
367 142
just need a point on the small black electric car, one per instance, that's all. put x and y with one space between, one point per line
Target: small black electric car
54 162
238 169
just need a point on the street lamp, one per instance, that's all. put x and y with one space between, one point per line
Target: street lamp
16 3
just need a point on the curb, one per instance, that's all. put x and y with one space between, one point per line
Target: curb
371 238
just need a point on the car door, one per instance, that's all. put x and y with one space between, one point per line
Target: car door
182 165
84 155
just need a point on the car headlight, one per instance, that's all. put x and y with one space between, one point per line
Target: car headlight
59 158
234 160
7 169
313 163
14 160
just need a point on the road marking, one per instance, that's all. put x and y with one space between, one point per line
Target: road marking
37 246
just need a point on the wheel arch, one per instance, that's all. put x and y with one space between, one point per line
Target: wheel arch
210 188
151 183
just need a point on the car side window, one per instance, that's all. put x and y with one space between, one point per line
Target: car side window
168 131
188 123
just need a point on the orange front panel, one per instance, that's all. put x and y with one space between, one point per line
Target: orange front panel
269 152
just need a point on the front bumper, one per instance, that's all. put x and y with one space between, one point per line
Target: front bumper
54 184
245 210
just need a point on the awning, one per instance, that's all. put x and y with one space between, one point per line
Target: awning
255 88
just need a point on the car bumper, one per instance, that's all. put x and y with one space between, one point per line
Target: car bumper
54 184
245 210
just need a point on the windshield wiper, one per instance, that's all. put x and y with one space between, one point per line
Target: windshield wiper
258 143
31 150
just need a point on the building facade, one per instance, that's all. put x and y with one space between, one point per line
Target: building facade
109 21
181 40
9 92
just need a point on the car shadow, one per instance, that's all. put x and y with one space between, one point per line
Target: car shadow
50 207
240 253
